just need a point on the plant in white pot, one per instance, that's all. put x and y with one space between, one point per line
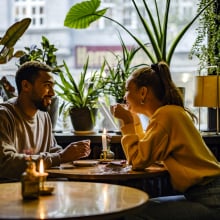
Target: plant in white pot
81 96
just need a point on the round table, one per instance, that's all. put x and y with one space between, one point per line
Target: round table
102 172
72 200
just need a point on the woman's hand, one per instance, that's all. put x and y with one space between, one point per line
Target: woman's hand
121 112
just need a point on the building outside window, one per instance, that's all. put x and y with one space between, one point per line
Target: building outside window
30 8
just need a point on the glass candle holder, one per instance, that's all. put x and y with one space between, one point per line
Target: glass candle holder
42 180
108 154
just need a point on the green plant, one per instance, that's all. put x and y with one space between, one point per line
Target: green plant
207 44
81 15
81 93
10 38
118 74
45 54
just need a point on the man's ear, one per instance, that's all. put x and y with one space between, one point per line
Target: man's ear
25 85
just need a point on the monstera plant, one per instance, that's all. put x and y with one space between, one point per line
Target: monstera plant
81 15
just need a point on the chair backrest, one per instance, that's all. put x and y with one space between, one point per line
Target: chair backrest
7 87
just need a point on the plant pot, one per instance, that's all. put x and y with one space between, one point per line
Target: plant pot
83 119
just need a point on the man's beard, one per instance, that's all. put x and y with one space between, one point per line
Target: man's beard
40 106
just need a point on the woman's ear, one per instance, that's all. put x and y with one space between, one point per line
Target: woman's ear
143 94
144 91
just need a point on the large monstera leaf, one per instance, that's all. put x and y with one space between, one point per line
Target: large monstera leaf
10 38
81 15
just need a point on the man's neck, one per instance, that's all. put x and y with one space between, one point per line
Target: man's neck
26 107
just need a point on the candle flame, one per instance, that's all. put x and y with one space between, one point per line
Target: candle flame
41 169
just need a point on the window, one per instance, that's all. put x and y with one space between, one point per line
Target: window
30 8
127 18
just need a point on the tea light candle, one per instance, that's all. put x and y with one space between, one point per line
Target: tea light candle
42 174
104 140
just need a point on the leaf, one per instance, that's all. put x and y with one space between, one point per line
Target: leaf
83 92
19 53
14 32
81 15
183 31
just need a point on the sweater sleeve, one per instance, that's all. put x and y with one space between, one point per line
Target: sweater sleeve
143 150
12 163
52 158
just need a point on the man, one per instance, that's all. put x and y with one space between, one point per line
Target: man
25 128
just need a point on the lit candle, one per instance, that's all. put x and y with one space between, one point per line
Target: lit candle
42 174
41 168
104 140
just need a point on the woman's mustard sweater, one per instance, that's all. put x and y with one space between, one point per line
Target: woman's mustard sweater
171 137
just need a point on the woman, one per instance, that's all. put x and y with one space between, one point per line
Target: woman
172 138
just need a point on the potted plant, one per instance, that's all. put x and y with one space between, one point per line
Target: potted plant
81 96
45 54
118 74
82 14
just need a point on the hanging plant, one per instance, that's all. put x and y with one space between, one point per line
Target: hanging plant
207 44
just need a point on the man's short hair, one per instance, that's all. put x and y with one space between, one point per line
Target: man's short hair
29 71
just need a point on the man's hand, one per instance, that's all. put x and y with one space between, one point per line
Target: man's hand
75 150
